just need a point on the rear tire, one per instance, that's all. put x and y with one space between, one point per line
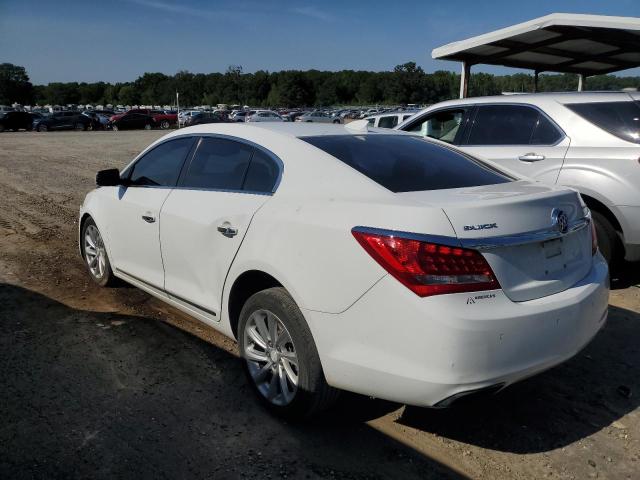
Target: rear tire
608 241
114 128
165 124
269 363
147 127
79 126
42 128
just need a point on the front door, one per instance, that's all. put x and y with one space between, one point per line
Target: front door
134 211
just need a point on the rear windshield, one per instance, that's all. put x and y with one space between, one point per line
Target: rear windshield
621 119
407 164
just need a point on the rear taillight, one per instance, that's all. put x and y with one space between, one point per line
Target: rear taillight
429 268
594 239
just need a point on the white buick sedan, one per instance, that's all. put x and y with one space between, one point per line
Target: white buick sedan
346 259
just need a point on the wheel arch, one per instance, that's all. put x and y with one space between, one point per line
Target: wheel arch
596 205
244 286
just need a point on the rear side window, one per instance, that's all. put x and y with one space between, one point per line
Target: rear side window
621 119
218 164
263 173
388 122
511 125
406 163
161 166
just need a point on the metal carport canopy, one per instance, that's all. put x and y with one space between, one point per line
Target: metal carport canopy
560 42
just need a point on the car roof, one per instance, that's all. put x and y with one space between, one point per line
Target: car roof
560 97
285 129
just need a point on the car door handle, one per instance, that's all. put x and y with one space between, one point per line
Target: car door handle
227 230
148 218
531 157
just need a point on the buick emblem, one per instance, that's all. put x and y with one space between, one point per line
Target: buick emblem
559 220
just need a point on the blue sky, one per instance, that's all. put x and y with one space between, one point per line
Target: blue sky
118 40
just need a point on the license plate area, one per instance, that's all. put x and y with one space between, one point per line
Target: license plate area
552 248
553 256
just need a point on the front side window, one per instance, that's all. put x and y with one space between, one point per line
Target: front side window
161 166
621 119
405 163
218 164
443 125
511 125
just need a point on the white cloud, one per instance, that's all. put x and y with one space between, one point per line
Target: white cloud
313 12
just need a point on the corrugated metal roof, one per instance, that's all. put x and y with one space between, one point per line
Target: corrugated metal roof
560 42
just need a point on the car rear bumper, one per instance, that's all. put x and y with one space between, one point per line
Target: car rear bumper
394 345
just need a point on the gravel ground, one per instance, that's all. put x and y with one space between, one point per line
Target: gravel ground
111 383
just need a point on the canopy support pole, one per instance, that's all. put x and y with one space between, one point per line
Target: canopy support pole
464 79
581 81
535 81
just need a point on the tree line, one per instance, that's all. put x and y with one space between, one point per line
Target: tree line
406 83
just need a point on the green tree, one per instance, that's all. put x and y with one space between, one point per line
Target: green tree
14 85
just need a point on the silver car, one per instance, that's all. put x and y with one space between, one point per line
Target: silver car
318 117
586 140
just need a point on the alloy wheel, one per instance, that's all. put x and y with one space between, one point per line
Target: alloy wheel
271 357
94 252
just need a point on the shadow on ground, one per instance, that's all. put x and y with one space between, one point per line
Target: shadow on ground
626 275
99 395
591 391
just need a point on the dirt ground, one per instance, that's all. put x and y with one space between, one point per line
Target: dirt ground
100 383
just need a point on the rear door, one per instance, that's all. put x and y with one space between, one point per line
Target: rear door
134 210
205 219
519 137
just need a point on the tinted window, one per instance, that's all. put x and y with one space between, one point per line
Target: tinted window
388 122
161 166
262 174
545 132
621 119
405 163
218 164
503 125
443 125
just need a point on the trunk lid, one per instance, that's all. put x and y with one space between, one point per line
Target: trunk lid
512 225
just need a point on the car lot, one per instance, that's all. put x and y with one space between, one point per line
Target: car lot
94 380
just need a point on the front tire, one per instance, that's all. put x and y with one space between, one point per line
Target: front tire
147 127
608 241
114 128
280 358
95 255
42 128
165 124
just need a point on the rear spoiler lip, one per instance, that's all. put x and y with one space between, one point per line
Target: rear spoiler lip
487 243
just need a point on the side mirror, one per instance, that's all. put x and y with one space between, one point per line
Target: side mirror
108 178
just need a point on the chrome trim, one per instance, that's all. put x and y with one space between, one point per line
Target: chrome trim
536 236
487 243
172 296
197 136
421 237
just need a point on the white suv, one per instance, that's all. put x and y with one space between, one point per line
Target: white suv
589 141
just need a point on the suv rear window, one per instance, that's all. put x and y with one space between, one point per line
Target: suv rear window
406 163
621 119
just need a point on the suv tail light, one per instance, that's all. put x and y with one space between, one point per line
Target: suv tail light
429 268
